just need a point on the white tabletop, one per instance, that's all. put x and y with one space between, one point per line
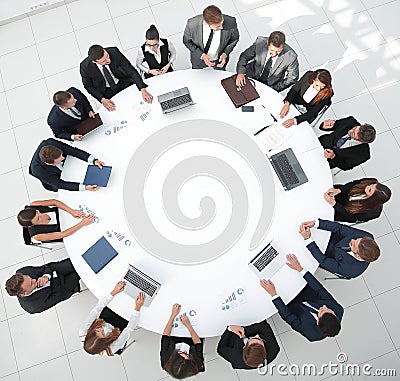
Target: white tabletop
203 190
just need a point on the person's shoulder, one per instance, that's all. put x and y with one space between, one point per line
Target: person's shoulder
85 62
195 19
288 50
229 22
261 40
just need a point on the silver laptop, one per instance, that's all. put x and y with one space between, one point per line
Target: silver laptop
175 100
267 262
137 281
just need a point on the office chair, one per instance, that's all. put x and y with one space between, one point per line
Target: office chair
337 277
28 240
303 110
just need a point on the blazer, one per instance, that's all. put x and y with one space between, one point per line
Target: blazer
345 158
230 346
50 175
336 259
282 75
64 125
298 315
341 214
47 297
295 96
193 38
94 81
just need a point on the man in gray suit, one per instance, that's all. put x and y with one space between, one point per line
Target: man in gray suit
210 37
270 61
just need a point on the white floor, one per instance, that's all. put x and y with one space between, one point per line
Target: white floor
358 40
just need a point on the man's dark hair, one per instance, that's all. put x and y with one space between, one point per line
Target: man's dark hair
13 284
277 39
366 133
212 15
368 249
48 154
95 52
60 98
329 324
254 354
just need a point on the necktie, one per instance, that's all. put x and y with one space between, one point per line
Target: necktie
265 73
208 44
77 114
342 140
108 77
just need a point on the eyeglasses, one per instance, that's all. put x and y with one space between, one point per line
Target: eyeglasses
152 45
257 338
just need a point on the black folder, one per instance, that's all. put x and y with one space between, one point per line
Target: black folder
89 124
99 255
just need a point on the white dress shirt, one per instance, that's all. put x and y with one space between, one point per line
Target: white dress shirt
143 66
70 113
310 94
213 51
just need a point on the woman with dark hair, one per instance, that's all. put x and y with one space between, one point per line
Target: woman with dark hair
358 200
41 219
312 92
156 55
105 332
181 357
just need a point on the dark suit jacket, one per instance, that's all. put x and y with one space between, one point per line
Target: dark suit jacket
299 317
50 175
230 346
193 39
295 96
63 125
341 214
345 158
335 259
47 297
93 80
282 75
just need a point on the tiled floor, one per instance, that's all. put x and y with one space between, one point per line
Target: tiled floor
358 40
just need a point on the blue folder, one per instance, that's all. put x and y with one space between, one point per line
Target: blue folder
97 176
99 255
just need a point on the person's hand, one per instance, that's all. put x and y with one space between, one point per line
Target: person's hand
99 163
222 60
92 188
293 262
175 309
185 320
77 213
333 191
308 224
165 68
240 80
305 231
268 286
329 198
155 71
139 301
207 60
41 281
329 154
328 124
147 97
78 137
285 110
92 114
288 123
119 287
108 104
87 220
238 330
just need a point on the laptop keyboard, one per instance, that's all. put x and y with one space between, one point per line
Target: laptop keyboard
140 283
175 102
283 164
265 259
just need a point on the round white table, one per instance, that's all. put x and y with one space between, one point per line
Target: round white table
192 199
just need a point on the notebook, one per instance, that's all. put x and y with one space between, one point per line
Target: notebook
240 95
267 262
89 124
97 176
175 100
99 254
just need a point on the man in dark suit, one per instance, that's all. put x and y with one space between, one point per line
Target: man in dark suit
314 313
70 108
39 288
349 251
248 347
106 72
269 60
48 161
210 37
348 144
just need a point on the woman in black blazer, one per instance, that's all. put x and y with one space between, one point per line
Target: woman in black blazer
313 91
359 200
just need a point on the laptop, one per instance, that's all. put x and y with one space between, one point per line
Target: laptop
175 100
267 262
99 254
288 169
137 281
97 176
89 125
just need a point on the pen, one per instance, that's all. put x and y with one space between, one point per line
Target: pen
275 120
262 129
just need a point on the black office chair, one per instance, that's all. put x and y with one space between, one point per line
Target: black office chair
337 277
28 240
314 122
